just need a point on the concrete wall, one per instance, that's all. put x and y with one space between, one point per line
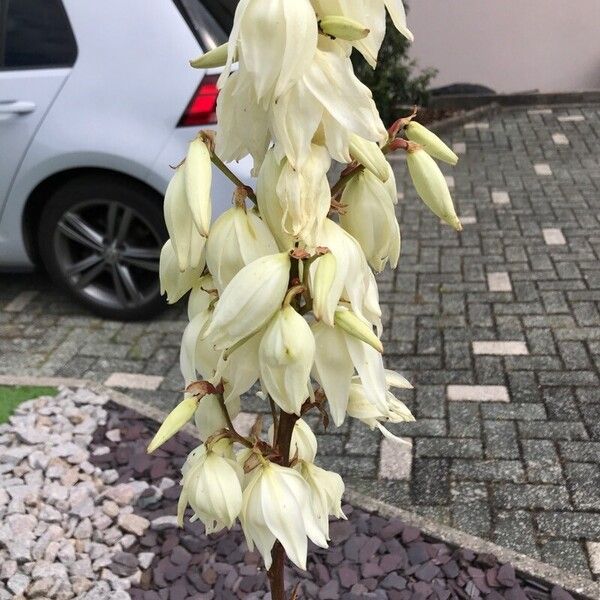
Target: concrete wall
510 45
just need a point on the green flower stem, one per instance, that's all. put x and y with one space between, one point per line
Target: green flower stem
232 176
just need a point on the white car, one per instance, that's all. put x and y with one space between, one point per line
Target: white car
97 102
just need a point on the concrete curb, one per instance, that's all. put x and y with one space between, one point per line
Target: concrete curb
529 567
563 99
444 125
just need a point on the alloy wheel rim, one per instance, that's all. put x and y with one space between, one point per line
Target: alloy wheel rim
109 253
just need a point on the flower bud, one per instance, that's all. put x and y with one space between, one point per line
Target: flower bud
175 420
188 244
250 300
268 204
304 442
212 485
174 282
343 28
217 57
348 321
371 219
265 518
237 238
432 187
431 143
286 356
198 180
324 292
209 417
370 155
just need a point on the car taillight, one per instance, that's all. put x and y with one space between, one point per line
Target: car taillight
202 109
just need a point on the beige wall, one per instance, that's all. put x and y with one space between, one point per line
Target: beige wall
510 45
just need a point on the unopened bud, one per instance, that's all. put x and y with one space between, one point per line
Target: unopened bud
369 155
431 143
432 187
348 321
325 271
217 57
176 419
343 28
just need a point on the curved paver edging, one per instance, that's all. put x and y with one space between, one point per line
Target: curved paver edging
453 537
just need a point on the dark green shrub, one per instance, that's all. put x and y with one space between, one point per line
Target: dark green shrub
397 80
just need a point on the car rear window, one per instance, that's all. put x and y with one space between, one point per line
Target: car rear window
209 20
35 34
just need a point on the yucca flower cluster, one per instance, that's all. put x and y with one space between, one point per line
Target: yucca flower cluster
282 286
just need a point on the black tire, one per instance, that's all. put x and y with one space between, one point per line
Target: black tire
108 230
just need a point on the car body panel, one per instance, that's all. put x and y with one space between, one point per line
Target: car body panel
117 109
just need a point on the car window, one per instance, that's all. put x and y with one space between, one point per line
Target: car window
35 34
209 20
222 11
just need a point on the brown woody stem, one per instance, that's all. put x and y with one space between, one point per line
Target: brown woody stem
283 442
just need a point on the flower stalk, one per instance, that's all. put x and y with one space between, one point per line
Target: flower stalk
283 293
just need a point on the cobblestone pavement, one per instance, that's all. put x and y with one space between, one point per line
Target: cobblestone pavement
498 328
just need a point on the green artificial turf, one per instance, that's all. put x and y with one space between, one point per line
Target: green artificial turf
11 396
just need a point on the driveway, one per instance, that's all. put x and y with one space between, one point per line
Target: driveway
498 328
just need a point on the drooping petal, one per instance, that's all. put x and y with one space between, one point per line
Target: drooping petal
333 368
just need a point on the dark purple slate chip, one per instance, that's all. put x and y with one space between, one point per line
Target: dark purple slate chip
348 576
417 553
558 593
330 591
392 529
428 572
506 575
410 534
369 549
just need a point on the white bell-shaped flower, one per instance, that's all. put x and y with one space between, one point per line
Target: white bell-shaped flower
286 356
196 354
371 13
243 123
304 442
275 41
202 296
212 485
360 405
326 491
329 101
187 242
371 219
237 238
337 355
304 195
269 206
240 368
354 280
250 300
174 282
276 506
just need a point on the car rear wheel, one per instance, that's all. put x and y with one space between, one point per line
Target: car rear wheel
100 239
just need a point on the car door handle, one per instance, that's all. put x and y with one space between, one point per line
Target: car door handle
17 107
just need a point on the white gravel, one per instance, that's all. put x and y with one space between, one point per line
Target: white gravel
62 520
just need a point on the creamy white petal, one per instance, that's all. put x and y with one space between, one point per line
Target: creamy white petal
250 299
369 365
333 368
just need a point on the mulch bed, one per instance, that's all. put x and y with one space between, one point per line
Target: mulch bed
369 557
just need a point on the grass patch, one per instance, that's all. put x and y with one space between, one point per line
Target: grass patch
11 396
